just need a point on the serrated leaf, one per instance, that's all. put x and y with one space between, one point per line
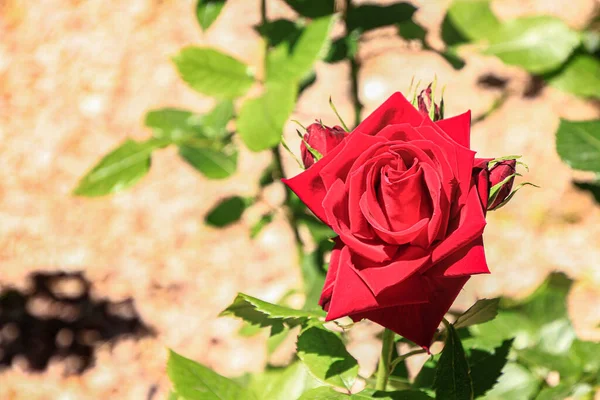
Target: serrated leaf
262 313
212 163
174 124
327 393
119 169
213 73
207 11
516 383
486 367
452 377
228 211
538 44
473 18
294 58
581 76
194 381
326 357
370 16
578 144
311 8
261 120
283 383
482 311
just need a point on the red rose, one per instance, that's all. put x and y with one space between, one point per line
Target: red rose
321 138
406 197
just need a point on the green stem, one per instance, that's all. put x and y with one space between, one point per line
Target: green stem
354 67
383 369
403 357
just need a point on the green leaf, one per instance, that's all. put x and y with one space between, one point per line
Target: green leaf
370 16
410 30
538 44
591 41
226 212
578 144
213 73
311 8
283 383
452 376
194 381
294 58
326 357
473 18
214 123
487 367
174 124
213 164
261 120
207 12
581 76
264 314
313 278
507 325
516 383
483 310
264 220
119 169
279 31
327 393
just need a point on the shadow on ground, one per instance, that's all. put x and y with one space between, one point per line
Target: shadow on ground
56 318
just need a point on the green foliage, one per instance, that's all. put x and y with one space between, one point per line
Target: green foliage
482 311
207 12
580 76
194 381
473 19
370 16
213 73
578 144
262 313
326 357
119 169
293 58
212 163
538 44
516 382
174 124
326 393
227 211
283 383
452 377
311 8
261 120
486 367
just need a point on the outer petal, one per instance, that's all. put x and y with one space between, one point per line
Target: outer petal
351 295
334 263
419 322
395 110
469 260
458 128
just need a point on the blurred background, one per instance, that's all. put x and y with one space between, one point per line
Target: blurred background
96 289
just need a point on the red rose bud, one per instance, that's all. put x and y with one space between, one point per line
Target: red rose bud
321 138
425 103
502 176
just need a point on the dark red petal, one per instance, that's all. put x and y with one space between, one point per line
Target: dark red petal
419 322
469 260
334 262
458 128
351 295
395 110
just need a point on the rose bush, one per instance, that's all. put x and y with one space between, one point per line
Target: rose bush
408 199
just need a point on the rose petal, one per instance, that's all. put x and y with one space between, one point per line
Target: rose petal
469 260
458 128
351 295
395 110
334 262
419 322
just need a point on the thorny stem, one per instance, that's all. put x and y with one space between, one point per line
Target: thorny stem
383 368
277 160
